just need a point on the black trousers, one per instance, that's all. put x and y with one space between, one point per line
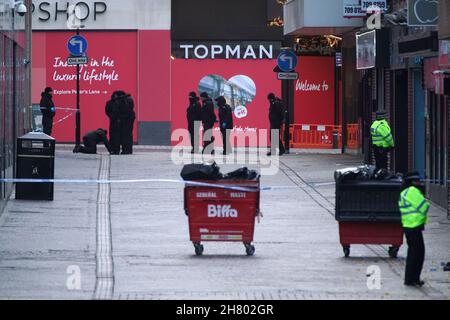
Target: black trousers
195 137
208 137
226 140
47 125
126 136
89 147
381 157
416 254
280 140
114 136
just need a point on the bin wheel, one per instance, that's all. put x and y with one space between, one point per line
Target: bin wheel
393 251
346 251
249 249
198 249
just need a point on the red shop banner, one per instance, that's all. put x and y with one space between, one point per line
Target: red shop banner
112 66
245 85
314 90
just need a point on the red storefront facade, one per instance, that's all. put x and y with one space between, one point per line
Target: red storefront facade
128 49
115 60
156 59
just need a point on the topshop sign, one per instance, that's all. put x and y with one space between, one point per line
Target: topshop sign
102 15
47 11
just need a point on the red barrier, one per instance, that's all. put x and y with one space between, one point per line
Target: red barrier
314 136
353 136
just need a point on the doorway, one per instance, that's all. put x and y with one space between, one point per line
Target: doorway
401 121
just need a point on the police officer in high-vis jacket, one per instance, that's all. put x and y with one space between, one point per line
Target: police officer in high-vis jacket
382 140
413 208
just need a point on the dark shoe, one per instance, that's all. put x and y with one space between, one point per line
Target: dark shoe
76 149
282 152
211 152
447 267
415 283
420 283
269 154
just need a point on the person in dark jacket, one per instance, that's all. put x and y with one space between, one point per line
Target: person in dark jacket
276 118
124 105
112 111
226 123
208 120
194 116
90 141
48 110
127 117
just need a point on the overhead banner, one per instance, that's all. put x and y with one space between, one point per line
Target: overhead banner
423 13
366 50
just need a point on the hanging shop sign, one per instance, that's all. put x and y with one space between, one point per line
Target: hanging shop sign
422 13
372 49
366 50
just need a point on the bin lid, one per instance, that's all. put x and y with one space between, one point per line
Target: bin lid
36 136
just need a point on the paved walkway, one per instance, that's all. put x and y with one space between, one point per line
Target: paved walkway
130 240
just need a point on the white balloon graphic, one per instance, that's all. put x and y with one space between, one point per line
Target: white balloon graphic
240 112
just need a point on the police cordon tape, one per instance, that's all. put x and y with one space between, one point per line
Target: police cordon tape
56 108
187 183
63 119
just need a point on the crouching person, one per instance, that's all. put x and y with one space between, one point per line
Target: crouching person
90 141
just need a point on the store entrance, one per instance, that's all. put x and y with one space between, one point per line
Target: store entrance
401 121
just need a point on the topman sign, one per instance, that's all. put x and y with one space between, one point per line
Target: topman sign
225 50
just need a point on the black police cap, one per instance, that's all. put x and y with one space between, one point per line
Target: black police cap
412 176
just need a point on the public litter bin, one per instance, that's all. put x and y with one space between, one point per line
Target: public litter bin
35 160
367 212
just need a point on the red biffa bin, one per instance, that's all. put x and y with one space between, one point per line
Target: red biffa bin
223 210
